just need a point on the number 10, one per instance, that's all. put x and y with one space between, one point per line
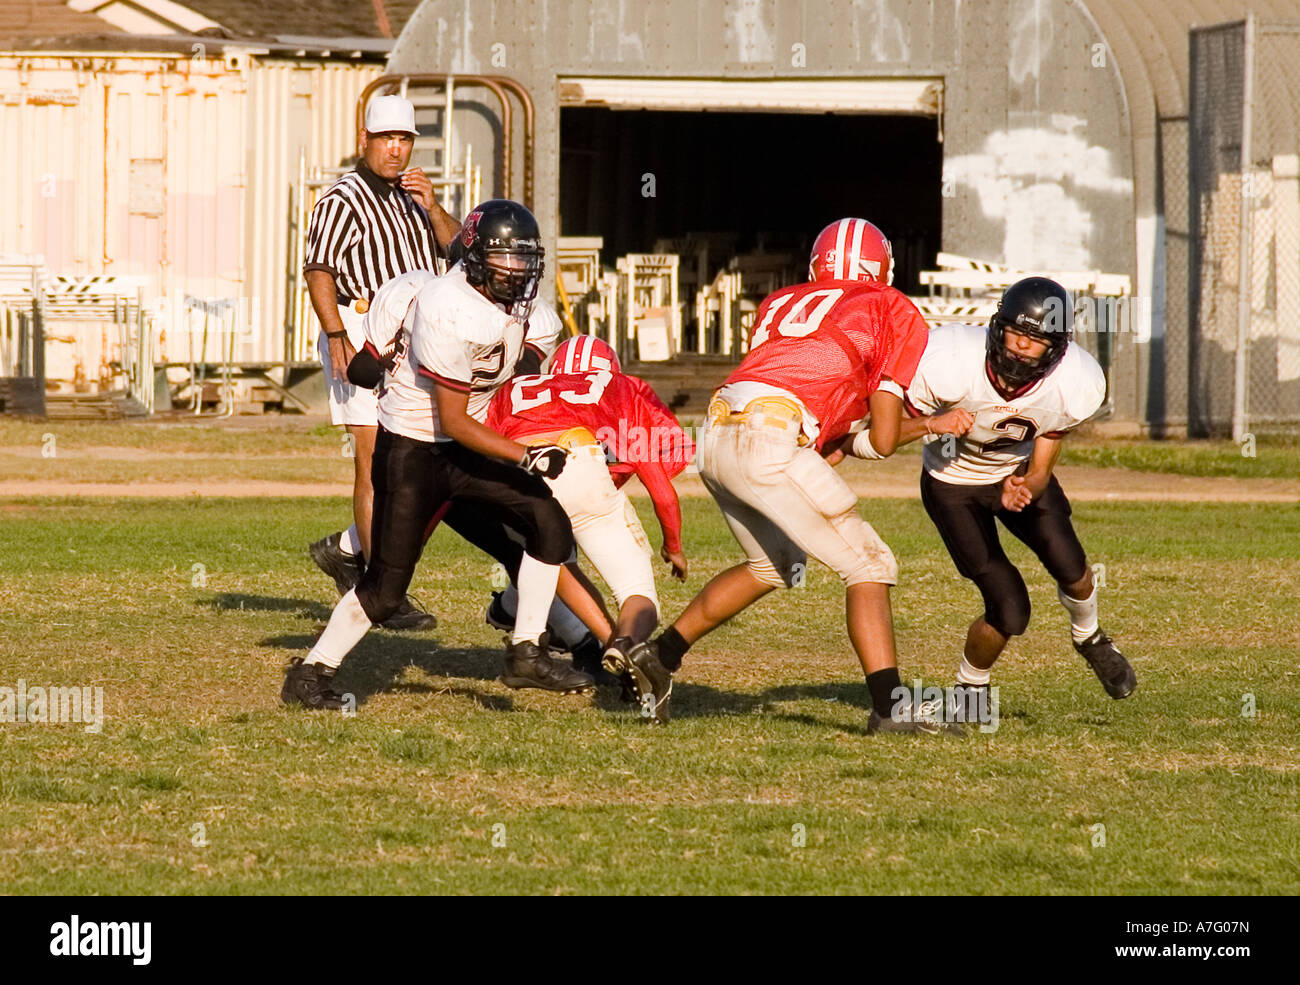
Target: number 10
796 323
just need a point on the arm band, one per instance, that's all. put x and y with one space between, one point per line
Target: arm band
336 335
863 448
889 386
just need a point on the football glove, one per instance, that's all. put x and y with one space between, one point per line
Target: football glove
544 460
365 370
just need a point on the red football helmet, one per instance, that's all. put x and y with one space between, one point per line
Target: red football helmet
584 354
851 249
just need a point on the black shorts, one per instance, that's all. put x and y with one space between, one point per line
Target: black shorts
965 517
414 480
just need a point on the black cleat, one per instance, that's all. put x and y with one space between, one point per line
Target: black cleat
345 569
968 703
623 644
927 718
410 617
587 657
310 685
1114 672
652 684
496 615
529 664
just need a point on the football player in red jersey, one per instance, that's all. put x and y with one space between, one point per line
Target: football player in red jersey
823 354
588 406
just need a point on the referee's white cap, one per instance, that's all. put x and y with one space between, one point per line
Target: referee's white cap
390 114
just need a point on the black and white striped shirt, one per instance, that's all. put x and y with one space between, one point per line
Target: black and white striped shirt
365 231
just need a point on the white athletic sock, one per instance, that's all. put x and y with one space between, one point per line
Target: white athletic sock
968 673
569 629
1083 614
536 592
348 623
349 542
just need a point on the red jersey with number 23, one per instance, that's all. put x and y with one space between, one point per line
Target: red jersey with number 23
830 343
623 413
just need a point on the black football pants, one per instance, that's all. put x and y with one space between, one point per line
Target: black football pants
413 480
964 516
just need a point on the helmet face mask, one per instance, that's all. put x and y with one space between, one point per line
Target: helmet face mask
512 277
1037 308
501 253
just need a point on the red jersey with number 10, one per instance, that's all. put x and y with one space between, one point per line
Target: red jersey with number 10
830 343
623 413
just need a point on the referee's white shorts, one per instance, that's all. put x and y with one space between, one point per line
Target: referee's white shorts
605 524
348 404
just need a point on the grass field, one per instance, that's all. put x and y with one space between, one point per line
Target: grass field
296 450
445 781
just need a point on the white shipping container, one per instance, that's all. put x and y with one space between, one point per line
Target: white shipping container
177 169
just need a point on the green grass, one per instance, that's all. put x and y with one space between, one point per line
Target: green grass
296 450
445 781
1268 456
245 436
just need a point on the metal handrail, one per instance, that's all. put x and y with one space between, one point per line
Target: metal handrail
487 81
525 100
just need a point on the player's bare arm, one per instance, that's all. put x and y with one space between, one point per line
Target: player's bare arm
1019 491
956 421
323 292
668 510
455 422
881 439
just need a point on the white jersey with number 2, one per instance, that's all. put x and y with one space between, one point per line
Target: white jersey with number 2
953 374
441 330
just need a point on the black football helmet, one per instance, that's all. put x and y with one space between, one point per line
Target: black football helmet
1037 307
501 251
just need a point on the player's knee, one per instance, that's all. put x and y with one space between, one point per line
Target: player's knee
1009 615
866 559
643 595
1006 599
765 573
1078 588
379 603
880 568
551 541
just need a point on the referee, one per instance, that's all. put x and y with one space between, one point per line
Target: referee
375 223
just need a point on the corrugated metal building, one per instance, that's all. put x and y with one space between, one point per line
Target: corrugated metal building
174 161
1043 134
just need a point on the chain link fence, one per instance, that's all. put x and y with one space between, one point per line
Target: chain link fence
1243 340
1167 382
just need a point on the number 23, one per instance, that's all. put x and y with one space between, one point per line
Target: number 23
521 399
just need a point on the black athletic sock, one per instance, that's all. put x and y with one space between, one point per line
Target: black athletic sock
671 649
882 684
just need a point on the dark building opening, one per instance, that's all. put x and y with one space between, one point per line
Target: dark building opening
748 183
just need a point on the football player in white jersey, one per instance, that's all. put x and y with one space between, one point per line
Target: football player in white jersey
993 406
465 338
386 328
